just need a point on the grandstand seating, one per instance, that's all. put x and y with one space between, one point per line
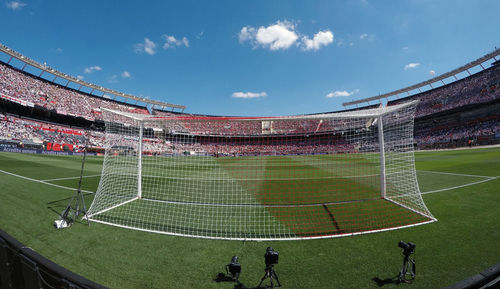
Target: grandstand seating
479 88
24 88
447 116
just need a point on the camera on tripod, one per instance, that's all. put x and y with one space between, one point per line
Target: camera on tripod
408 248
409 266
271 257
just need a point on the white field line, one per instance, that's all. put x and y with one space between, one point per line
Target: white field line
71 178
455 174
252 179
459 149
112 207
42 182
461 186
487 179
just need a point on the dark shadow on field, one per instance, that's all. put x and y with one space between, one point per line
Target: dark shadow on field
386 281
58 206
221 277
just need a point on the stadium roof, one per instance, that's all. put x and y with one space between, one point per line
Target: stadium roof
69 78
454 72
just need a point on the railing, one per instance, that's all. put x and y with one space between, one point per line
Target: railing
23 268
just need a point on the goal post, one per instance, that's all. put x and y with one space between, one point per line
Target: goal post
260 178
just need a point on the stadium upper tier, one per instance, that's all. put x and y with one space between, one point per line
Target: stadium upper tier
481 87
29 90
70 79
438 79
16 85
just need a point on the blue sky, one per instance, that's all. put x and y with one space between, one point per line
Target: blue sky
253 57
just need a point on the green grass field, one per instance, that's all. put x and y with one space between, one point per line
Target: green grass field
463 194
257 197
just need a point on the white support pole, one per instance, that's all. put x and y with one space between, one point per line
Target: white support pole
382 156
139 162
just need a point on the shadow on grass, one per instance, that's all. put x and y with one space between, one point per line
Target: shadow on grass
385 281
221 277
58 206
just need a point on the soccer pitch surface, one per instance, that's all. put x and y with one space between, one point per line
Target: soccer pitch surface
461 189
253 197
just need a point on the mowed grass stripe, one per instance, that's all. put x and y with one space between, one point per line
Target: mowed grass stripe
48 167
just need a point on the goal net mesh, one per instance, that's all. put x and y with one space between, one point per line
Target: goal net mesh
312 176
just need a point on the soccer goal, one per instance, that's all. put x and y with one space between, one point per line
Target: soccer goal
261 178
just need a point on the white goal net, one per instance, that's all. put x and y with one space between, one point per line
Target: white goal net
260 178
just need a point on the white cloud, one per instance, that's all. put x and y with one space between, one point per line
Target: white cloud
411 65
248 94
322 38
342 93
148 46
80 77
247 33
91 69
277 36
126 74
15 5
172 42
432 72
280 35
363 36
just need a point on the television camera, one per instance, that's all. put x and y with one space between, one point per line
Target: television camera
271 258
409 266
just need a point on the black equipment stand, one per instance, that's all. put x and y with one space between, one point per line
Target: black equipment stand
408 267
74 203
269 274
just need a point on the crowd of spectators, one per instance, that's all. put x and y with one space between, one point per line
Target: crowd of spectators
249 149
15 84
227 126
479 88
28 132
450 134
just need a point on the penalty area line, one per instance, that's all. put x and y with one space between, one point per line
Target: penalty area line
456 174
70 178
461 186
42 182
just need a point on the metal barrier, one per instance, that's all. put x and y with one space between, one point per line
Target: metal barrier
23 268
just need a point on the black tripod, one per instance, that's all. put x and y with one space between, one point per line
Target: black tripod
73 210
269 274
407 268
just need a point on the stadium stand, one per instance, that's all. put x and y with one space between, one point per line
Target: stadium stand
482 87
41 114
462 113
23 88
